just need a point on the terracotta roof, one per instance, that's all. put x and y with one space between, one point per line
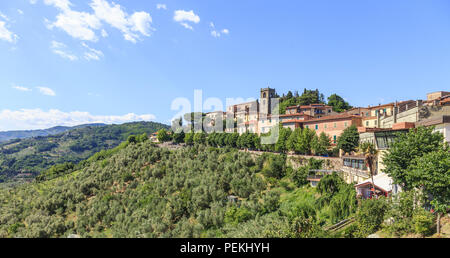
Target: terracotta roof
384 105
369 117
293 121
309 106
296 114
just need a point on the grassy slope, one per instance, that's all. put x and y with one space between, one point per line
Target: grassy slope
144 191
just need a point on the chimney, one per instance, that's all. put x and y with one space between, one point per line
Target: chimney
378 118
419 103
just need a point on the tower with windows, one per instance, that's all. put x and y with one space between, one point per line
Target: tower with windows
265 100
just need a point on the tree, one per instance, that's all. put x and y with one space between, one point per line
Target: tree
305 140
320 144
431 173
189 138
338 103
178 137
324 142
163 136
315 146
405 151
349 139
330 184
132 139
233 139
370 215
370 157
283 137
200 138
291 143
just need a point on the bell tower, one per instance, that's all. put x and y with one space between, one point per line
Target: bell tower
265 100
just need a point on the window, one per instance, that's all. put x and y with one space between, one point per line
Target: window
367 123
334 139
367 113
335 125
345 124
325 126
375 122
317 127
307 126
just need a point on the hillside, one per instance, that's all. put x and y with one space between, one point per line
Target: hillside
139 190
29 157
11 135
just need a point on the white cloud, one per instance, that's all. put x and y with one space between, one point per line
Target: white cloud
161 6
84 25
141 22
181 15
91 54
20 88
119 19
4 16
60 49
187 26
80 25
104 33
46 91
29 119
19 11
65 55
56 44
33 1
5 33
61 4
215 34
184 17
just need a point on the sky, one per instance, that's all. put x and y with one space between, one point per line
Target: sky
68 62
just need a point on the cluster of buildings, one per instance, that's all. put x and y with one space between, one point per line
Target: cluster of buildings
376 124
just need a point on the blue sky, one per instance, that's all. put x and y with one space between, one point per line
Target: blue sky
69 62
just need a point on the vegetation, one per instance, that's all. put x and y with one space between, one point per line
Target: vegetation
406 150
419 161
30 157
309 97
16 135
139 190
338 103
349 140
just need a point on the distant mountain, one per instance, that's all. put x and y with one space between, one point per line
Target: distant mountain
27 158
11 135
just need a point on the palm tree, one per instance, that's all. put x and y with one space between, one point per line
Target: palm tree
370 157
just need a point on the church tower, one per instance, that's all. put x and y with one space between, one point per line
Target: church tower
265 100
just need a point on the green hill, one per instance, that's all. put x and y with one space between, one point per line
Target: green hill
139 190
11 135
27 158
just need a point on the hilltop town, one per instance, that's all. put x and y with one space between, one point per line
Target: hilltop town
378 125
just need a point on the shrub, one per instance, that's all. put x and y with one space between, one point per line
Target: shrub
370 216
422 222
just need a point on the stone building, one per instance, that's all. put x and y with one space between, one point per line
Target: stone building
254 116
